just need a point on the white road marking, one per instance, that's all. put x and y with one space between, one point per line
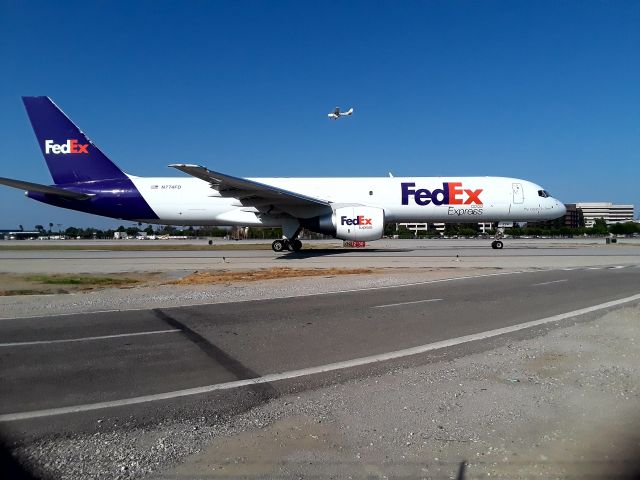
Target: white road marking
549 283
618 267
85 339
407 303
275 377
595 268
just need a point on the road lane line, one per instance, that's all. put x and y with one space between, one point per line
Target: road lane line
407 303
549 283
275 377
85 339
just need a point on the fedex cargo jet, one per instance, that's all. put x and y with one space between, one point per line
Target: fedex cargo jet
85 179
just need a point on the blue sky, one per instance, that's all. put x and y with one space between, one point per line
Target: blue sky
546 91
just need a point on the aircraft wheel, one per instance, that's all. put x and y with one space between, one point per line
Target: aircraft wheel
277 245
295 245
497 245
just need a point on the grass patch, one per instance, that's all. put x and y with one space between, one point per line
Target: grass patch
86 280
202 278
9 293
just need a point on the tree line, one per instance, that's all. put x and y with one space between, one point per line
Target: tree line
391 229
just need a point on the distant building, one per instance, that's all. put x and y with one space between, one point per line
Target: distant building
573 218
415 227
609 212
422 227
18 235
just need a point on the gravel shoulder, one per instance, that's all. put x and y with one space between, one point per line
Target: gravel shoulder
165 296
562 404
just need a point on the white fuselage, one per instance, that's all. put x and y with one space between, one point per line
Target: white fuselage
191 201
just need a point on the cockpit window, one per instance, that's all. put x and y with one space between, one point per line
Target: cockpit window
543 194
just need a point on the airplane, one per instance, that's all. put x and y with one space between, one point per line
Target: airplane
336 114
85 179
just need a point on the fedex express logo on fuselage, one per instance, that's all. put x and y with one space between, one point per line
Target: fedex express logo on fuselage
359 220
71 146
451 193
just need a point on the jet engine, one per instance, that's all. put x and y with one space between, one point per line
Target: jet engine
349 223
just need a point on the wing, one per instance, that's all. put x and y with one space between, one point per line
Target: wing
336 111
262 196
36 187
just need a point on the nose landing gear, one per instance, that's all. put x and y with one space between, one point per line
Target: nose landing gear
497 242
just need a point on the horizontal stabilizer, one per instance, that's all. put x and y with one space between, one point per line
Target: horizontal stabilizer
36 187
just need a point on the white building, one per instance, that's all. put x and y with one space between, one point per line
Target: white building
439 227
610 212
415 227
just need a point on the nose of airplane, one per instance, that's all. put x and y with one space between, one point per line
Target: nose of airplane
559 208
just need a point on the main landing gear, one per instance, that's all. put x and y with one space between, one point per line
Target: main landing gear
290 230
284 244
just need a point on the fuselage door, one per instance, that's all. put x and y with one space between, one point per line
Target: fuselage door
518 193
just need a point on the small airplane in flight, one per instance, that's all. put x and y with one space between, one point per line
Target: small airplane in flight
85 179
336 114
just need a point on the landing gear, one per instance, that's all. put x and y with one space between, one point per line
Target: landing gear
284 244
290 230
497 243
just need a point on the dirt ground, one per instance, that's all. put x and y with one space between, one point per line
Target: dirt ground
199 278
48 284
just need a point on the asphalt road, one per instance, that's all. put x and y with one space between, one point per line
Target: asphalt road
81 359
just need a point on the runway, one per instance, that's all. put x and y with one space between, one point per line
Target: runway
88 359
518 253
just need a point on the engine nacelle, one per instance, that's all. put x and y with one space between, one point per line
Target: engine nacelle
349 223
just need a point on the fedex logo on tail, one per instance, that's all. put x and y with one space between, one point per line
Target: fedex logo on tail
72 146
451 193
359 220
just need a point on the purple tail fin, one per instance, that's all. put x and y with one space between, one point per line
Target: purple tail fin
70 155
